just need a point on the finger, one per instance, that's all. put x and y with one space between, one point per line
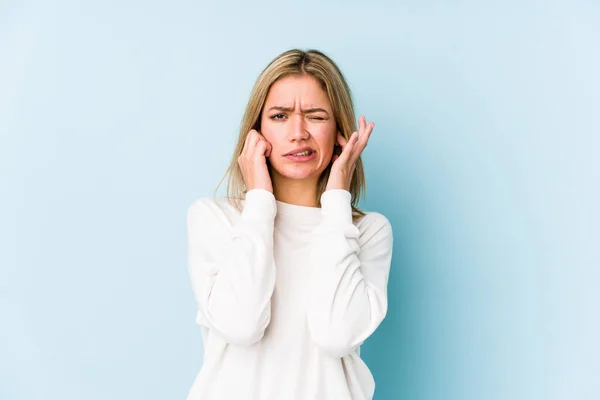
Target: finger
254 142
245 147
251 140
362 122
361 142
347 149
268 146
260 149
341 140
247 144
364 137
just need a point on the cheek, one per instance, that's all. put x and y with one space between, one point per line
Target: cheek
326 138
269 131
264 125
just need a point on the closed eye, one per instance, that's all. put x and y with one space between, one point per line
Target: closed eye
281 116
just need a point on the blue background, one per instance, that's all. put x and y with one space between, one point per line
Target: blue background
116 115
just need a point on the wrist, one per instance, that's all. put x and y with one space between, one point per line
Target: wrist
337 184
336 206
259 205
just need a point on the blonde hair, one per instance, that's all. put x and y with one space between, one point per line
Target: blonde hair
297 62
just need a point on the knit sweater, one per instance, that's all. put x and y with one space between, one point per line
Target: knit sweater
286 295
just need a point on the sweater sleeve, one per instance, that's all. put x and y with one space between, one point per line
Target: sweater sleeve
232 268
348 298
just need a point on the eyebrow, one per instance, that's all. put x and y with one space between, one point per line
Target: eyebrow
307 111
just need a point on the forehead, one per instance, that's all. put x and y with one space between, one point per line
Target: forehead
291 90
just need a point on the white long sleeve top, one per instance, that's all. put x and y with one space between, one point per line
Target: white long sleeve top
286 295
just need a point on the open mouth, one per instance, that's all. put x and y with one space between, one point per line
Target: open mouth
305 155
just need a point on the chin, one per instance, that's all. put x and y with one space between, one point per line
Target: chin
298 172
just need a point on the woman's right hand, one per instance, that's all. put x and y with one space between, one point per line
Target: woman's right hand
253 162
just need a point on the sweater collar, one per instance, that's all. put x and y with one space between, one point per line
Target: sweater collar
293 212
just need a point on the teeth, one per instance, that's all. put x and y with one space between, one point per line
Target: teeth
304 153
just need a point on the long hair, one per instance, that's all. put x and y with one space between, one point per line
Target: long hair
297 62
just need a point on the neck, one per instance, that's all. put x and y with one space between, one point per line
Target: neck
300 192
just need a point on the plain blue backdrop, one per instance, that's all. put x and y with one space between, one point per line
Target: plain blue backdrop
116 115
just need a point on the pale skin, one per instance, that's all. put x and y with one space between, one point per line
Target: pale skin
297 113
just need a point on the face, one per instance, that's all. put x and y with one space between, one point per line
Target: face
297 114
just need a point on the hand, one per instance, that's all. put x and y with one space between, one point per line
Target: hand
253 162
343 166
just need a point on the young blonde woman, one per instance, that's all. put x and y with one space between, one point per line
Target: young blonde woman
290 277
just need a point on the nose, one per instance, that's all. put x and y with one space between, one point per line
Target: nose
298 131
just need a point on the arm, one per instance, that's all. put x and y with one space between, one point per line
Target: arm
348 299
233 271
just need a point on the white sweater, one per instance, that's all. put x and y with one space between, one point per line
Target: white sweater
286 295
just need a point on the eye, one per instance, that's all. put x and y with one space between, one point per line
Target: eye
277 115
318 118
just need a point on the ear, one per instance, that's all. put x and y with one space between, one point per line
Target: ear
337 149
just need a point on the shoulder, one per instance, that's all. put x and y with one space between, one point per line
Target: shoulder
212 211
374 226
373 219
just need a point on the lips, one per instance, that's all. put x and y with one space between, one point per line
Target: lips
300 150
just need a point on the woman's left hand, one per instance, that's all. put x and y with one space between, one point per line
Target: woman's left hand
343 166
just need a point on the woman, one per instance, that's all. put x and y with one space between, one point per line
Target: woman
289 276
